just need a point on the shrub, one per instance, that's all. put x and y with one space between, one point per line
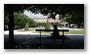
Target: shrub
47 25
26 27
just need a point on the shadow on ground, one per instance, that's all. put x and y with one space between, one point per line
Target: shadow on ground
32 42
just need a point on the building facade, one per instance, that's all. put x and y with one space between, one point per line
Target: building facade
45 20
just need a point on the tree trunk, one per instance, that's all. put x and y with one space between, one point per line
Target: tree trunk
11 24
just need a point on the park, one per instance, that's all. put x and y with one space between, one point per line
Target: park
29 26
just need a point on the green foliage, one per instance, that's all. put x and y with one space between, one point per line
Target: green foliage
26 27
20 19
41 24
47 26
76 10
56 23
6 20
32 23
76 20
61 9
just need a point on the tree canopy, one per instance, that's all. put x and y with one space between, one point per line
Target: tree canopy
20 20
75 12
50 9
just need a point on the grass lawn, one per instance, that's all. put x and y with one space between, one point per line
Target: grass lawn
75 32
71 31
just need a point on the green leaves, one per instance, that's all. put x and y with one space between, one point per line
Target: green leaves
60 9
47 26
20 19
65 10
26 27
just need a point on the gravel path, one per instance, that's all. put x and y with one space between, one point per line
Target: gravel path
17 32
32 33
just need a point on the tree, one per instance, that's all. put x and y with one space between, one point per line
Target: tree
76 20
41 24
47 26
20 19
11 22
32 23
26 27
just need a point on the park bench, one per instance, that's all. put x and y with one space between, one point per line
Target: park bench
63 37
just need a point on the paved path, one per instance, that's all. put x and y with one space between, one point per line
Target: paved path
16 32
22 33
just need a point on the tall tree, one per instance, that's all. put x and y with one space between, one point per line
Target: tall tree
11 22
47 25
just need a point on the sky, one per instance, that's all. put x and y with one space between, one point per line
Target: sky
39 15
33 15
